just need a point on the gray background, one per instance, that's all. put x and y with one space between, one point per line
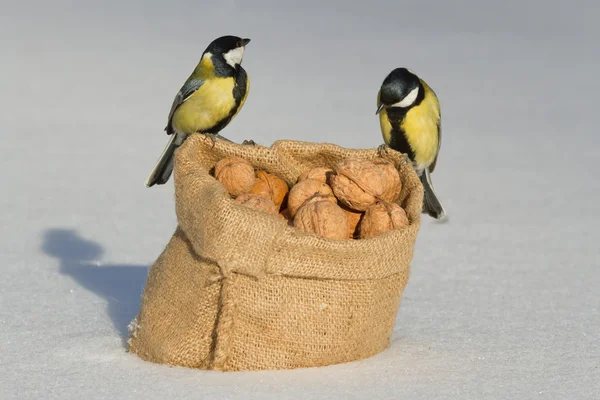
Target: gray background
503 301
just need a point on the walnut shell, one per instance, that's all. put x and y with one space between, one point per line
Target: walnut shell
270 186
258 203
382 217
353 220
319 173
358 183
320 197
393 184
302 191
323 218
236 174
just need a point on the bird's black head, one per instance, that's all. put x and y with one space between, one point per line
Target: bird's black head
228 50
401 88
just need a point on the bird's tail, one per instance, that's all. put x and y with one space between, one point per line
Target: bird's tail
431 204
164 167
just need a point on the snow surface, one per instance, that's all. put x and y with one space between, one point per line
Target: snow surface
503 301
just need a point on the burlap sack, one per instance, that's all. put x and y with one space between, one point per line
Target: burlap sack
238 289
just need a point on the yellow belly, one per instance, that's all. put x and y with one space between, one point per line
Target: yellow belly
243 101
209 105
420 127
421 130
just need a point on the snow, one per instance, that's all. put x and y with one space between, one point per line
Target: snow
503 300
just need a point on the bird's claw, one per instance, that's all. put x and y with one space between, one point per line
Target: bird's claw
382 148
214 137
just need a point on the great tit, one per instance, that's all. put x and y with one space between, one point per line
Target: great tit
410 120
210 98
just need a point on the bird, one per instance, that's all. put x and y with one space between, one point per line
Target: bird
210 98
410 121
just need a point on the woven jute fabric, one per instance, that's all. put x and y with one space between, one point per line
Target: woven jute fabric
238 289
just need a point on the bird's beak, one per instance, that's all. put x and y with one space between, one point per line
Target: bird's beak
379 109
245 41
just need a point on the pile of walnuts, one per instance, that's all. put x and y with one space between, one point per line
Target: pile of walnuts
353 200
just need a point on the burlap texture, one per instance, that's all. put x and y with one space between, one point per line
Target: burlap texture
238 289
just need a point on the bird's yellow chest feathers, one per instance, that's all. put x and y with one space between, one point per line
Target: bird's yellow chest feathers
420 127
386 126
209 105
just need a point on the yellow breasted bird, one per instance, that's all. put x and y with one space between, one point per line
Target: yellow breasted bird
410 119
210 98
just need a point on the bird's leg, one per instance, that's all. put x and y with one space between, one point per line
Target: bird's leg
249 142
222 138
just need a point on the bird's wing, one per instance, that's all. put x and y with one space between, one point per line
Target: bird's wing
188 89
437 115
439 125
439 129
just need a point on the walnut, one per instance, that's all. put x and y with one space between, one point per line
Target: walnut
323 218
319 173
358 183
270 186
302 191
393 184
353 220
382 217
236 174
258 203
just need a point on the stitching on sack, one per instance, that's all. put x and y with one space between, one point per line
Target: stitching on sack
270 250
313 278
222 334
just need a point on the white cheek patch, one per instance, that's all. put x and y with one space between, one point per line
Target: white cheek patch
409 99
234 57
207 55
